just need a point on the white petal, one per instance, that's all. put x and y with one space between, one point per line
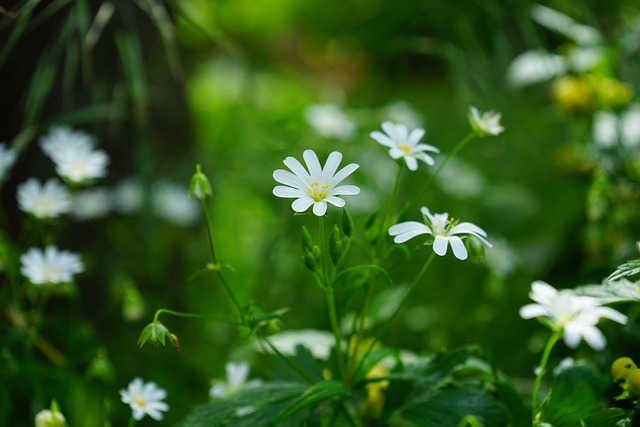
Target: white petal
405 227
335 201
396 153
297 168
346 190
331 165
302 204
610 313
415 136
382 139
594 337
571 336
458 248
440 245
412 163
468 228
343 173
320 208
287 178
287 192
530 311
426 147
313 164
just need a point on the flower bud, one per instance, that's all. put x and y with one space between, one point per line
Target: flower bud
50 417
633 381
347 223
307 241
199 186
154 332
311 258
336 250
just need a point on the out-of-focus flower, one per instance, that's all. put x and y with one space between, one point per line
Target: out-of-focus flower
575 315
572 93
444 229
172 202
485 124
460 179
318 342
404 144
7 159
533 67
49 418
318 186
375 390
50 266
43 201
145 398
128 196
563 24
93 203
329 121
74 154
401 112
610 129
237 375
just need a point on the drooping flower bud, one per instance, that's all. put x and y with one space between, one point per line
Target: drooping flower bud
199 186
155 332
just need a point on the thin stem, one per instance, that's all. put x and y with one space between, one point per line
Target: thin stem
183 314
541 371
435 173
290 363
132 422
387 209
390 320
235 301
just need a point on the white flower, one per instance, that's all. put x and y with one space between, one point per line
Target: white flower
43 201
7 159
237 374
329 121
609 129
316 187
444 229
128 196
536 66
402 112
575 315
404 144
484 124
145 398
172 202
49 418
74 155
91 204
51 266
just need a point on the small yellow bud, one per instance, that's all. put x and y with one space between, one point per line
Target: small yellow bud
633 381
621 368
572 93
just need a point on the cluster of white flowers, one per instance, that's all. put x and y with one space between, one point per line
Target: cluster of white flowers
575 315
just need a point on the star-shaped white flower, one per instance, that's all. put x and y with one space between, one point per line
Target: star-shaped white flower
318 186
484 124
44 201
51 266
575 315
404 144
7 159
145 398
444 229
237 374
74 154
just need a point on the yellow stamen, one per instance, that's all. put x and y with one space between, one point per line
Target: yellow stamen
405 148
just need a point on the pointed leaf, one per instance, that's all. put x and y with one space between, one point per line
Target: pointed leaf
315 394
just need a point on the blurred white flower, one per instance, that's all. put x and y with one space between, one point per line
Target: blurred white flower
565 25
610 129
534 67
487 123
575 315
460 179
49 418
92 203
502 259
7 159
51 266
404 144
401 112
318 186
329 121
444 229
44 201
172 203
237 375
318 342
145 398
127 196
74 155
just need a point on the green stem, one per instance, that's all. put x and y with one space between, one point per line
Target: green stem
541 371
183 314
387 209
235 301
132 422
390 320
290 363
459 146
331 303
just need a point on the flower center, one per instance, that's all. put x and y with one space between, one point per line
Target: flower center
42 206
405 148
318 192
50 273
140 402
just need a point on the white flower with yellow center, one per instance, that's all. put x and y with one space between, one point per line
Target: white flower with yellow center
484 124
444 229
575 315
51 266
145 398
404 144
317 186
43 201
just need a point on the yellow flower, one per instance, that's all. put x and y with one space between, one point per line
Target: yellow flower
572 93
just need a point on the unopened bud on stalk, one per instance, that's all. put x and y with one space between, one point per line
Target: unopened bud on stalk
311 258
199 186
307 241
336 249
155 332
347 223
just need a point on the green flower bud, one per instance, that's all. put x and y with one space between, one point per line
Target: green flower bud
336 250
199 186
311 258
50 417
475 248
307 241
154 332
101 366
347 223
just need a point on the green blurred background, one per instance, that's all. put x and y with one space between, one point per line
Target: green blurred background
226 84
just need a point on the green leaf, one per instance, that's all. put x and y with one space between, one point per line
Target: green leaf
612 417
315 394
